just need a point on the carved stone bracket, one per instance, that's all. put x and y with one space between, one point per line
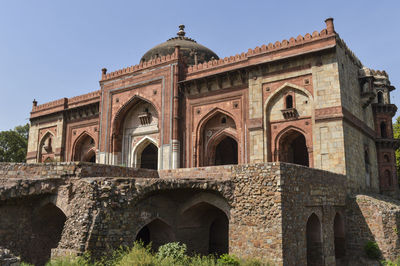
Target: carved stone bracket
290 113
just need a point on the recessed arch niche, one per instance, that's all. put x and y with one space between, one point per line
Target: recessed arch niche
84 148
217 140
136 119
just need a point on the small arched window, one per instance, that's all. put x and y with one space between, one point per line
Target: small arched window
386 158
289 101
380 97
223 120
383 130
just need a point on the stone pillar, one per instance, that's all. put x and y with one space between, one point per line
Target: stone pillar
256 134
175 144
176 147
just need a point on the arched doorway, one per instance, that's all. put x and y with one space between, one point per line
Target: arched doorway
149 157
293 148
157 232
314 241
84 149
136 119
47 227
145 154
218 236
217 140
339 234
46 150
226 152
205 229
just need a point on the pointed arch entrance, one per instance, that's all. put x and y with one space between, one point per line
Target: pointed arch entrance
145 154
157 232
84 149
149 156
46 149
282 112
339 234
136 119
292 148
47 227
206 229
218 235
226 152
217 140
314 241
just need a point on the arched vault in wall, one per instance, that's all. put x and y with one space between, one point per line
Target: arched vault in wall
135 155
198 218
84 147
204 144
268 141
46 147
120 115
137 118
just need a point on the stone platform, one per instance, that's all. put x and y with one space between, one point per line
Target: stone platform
279 212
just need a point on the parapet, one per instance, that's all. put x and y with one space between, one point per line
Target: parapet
270 48
143 65
70 169
65 103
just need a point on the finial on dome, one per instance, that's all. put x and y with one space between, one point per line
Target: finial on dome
181 31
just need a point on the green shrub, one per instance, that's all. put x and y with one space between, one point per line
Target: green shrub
372 250
69 261
251 262
173 251
198 260
138 255
171 254
391 263
227 259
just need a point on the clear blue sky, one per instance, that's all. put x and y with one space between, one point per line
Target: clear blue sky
54 49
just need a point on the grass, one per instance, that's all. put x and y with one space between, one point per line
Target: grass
141 255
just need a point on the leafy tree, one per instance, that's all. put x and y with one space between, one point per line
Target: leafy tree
14 144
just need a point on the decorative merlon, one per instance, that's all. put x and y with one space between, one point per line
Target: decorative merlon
141 66
264 49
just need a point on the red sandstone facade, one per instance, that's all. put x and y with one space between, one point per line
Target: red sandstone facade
307 100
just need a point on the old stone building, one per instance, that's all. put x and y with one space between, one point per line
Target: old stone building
307 102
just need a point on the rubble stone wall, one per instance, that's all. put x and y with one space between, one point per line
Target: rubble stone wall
266 208
305 192
70 169
373 218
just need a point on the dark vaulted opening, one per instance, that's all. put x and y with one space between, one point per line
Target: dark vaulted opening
149 157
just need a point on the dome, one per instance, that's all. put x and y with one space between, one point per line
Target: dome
191 51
